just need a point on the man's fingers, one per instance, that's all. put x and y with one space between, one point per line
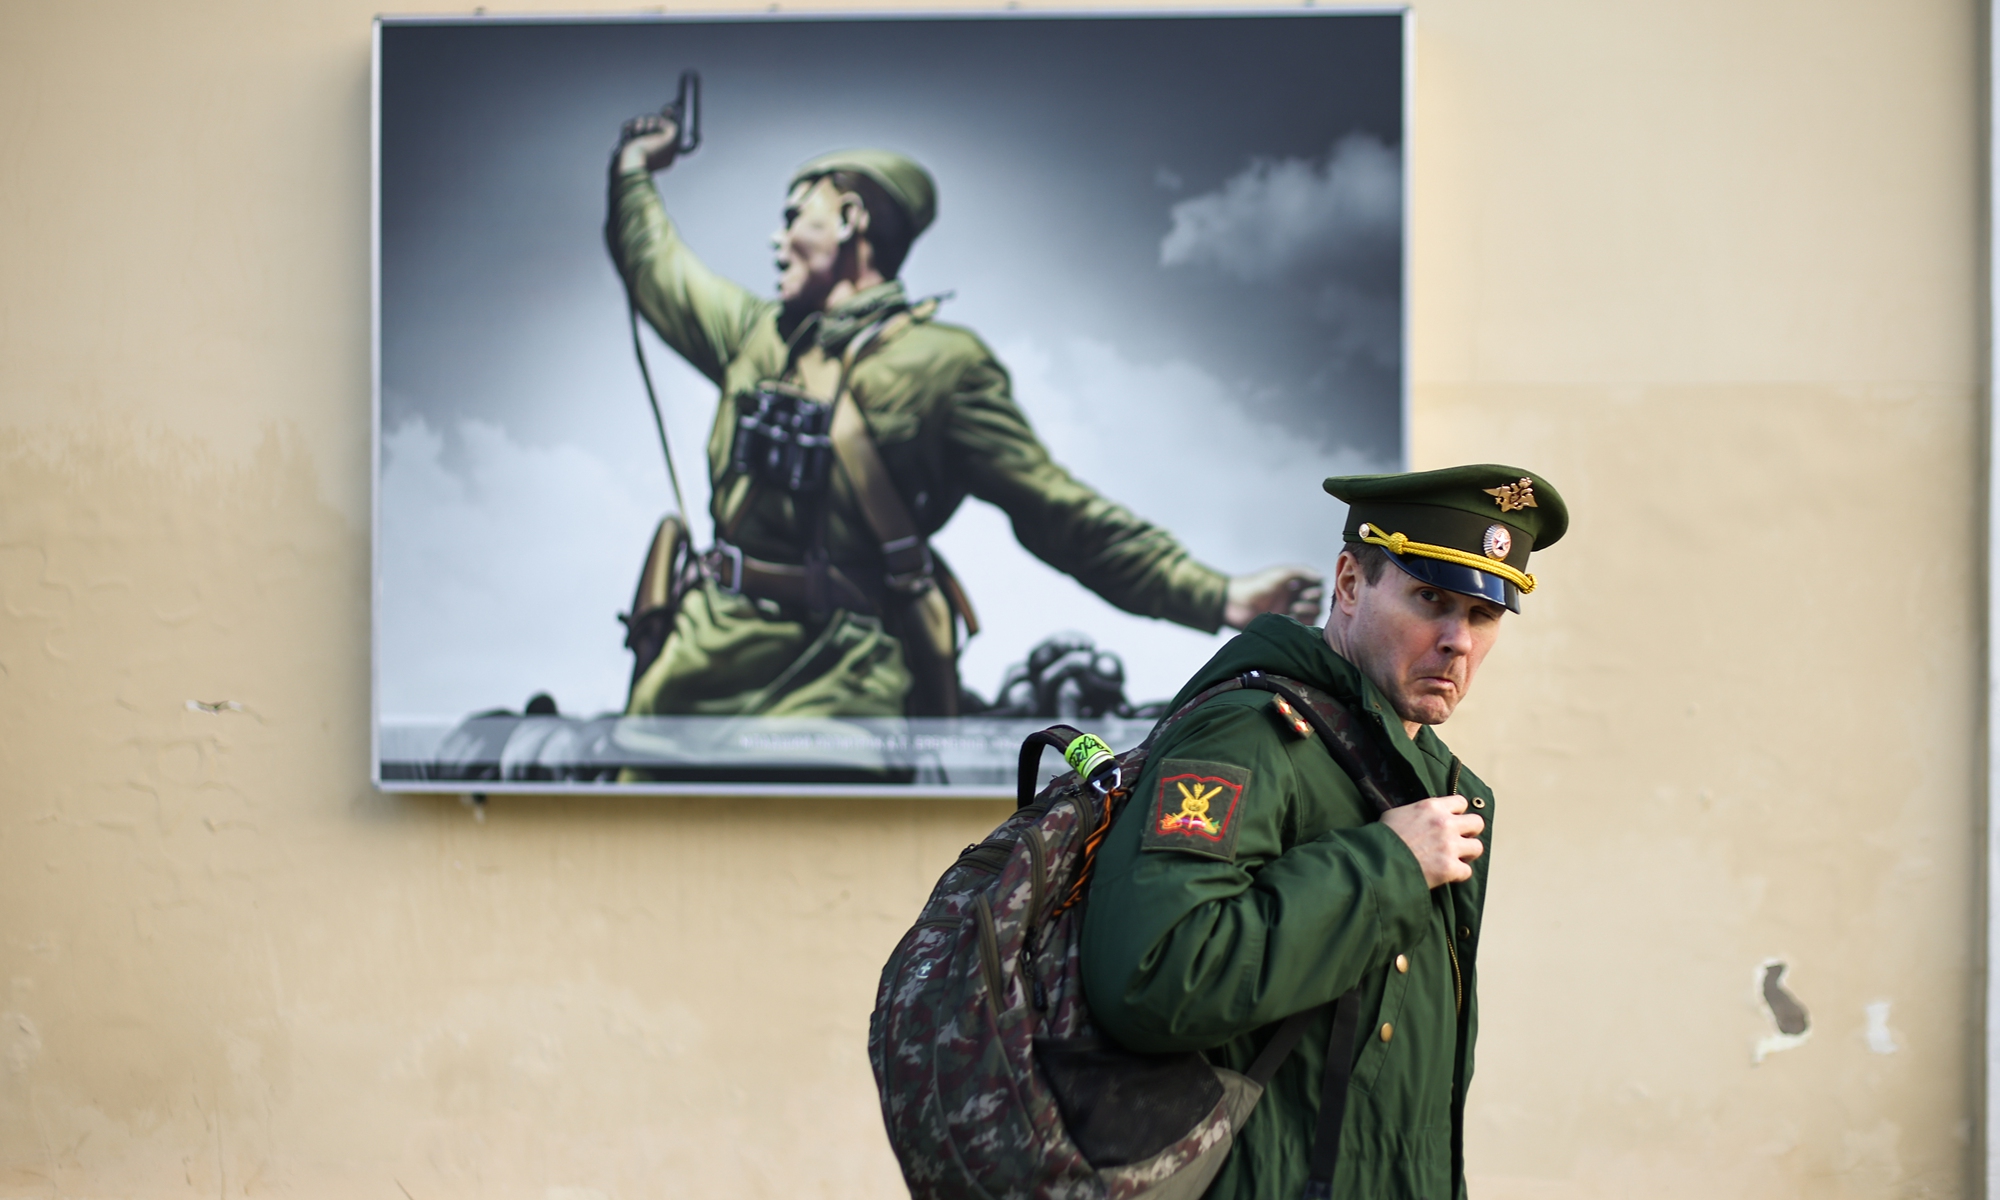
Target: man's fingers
1470 848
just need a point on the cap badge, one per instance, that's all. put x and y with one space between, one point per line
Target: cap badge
1510 496
1497 543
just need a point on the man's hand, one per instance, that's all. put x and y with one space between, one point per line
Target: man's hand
1294 591
1441 835
649 141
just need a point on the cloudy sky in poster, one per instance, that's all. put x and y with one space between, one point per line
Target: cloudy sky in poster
1181 236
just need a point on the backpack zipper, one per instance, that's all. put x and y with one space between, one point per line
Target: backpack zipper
1038 859
1038 865
989 952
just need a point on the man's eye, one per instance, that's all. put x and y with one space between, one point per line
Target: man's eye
1428 596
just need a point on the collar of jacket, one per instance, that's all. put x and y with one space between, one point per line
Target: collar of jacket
839 324
1283 646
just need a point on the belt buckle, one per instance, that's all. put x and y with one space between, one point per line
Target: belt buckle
913 580
733 555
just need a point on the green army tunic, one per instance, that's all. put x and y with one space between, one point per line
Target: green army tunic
938 407
1291 896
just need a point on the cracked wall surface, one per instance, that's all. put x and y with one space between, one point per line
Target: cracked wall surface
1711 267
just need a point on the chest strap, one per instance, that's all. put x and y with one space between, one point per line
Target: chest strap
906 553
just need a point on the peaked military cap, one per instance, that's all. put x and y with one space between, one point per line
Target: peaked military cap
908 184
1464 529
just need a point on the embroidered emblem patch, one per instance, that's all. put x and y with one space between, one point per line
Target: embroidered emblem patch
1511 496
1497 543
1194 810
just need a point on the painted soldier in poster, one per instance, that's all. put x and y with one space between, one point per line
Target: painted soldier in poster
852 425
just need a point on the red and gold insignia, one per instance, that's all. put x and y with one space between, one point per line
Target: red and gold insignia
1513 496
1194 809
1288 718
1497 543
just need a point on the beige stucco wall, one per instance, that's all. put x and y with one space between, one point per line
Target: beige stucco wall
1709 264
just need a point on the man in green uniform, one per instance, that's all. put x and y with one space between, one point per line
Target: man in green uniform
851 427
1264 887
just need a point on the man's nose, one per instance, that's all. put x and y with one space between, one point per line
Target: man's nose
1455 637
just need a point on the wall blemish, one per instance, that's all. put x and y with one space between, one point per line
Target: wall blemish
1881 1038
1793 1023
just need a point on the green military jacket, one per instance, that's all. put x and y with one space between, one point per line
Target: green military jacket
1285 895
938 406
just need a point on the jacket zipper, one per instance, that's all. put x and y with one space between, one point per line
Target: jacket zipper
1457 980
1450 944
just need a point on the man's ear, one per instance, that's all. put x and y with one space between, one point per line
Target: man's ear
1347 581
853 218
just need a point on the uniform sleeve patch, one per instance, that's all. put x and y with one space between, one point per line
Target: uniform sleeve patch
1194 810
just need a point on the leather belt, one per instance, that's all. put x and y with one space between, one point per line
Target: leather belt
735 571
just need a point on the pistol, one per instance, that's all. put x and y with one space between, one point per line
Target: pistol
685 113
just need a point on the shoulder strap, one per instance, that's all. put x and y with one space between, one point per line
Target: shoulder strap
1382 777
904 548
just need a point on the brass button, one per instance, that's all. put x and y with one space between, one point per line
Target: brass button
1479 802
1388 1031
1402 965
1465 931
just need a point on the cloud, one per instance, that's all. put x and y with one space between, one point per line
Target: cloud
504 563
1289 219
504 567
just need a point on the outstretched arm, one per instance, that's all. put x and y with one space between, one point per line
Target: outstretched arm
700 314
1129 561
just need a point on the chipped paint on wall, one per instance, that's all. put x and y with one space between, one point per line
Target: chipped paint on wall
1881 1039
1793 1024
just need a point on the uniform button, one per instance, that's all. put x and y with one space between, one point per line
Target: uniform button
1465 931
1402 965
1478 802
1388 1031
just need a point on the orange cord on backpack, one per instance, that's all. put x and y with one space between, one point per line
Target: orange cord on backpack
1089 856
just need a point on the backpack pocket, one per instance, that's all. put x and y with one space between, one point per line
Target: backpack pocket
1120 1107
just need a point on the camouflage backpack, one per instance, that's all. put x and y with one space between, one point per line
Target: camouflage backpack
993 1080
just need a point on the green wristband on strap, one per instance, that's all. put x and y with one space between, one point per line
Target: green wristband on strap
1087 755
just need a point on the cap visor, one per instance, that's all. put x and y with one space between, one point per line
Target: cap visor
1464 580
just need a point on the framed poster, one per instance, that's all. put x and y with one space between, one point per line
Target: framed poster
821 404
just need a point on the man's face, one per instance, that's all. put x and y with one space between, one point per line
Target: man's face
819 221
1420 644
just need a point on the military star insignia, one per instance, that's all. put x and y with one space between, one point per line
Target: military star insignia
1511 496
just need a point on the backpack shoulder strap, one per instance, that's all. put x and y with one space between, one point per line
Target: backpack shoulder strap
1381 775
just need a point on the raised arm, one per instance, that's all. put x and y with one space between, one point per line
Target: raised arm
700 314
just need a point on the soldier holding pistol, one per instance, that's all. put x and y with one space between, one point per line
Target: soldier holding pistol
851 426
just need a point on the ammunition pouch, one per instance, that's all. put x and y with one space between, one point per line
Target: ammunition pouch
782 439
